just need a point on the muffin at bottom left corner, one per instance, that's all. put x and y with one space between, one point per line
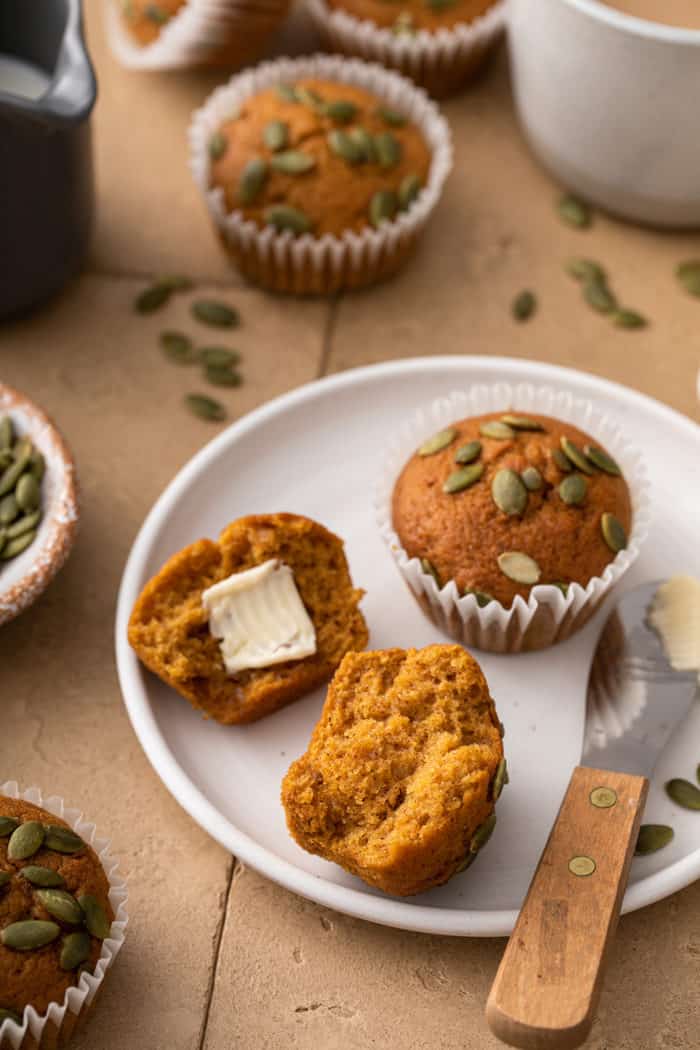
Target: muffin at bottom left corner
62 919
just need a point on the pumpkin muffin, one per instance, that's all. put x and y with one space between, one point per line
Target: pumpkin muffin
400 779
500 503
54 908
144 19
408 16
170 626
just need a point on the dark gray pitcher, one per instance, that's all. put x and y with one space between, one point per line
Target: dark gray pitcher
47 91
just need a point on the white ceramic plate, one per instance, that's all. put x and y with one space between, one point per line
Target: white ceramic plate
316 451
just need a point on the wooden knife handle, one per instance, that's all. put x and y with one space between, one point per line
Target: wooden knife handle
548 984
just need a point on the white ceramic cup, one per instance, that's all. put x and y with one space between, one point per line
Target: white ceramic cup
609 103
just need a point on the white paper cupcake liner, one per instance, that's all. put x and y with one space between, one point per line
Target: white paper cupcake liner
309 264
203 33
441 61
548 616
51 1029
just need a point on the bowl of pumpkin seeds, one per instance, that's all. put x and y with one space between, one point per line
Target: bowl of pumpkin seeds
38 502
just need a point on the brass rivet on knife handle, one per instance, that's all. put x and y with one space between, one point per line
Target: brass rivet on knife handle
582 866
603 797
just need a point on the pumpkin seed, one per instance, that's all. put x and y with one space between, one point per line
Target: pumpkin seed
6 458
7 826
74 950
253 178
613 532
482 597
440 5
561 461
497 430
586 270
341 143
95 916
437 442
519 567
61 905
629 319
287 92
283 218
293 162
178 347
463 478
574 454
524 305
532 479
466 863
205 407
651 838
25 840
27 493
392 117
62 840
469 452
599 458
222 375
482 834
500 780
152 298
218 355
5 877
7 432
520 422
688 273
28 934
573 489
156 14
341 110
508 492
428 567
219 315
382 207
361 138
25 524
217 145
8 509
9 1015
44 877
176 282
683 793
598 295
574 212
409 189
11 475
309 97
276 135
388 149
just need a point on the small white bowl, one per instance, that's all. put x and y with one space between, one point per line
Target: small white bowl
22 579
608 103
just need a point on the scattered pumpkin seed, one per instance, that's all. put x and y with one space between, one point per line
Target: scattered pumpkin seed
561 461
285 218
276 135
222 375
152 298
44 877
496 429
7 432
428 567
5 877
28 934
683 793
500 780
599 458
287 92
95 916
437 442
219 315
575 455
27 523
217 145
176 282
572 489
532 479
253 178
9 1015
382 207
598 295
364 142
8 509
688 273
178 347
74 950
482 834
341 110
7 826
574 212
62 840
205 407
27 493
519 567
388 149
613 532
508 492
293 162
409 190
482 597
218 355
61 905
463 478
586 270
651 838
629 319
521 422
345 146
468 453
25 840
524 305
156 14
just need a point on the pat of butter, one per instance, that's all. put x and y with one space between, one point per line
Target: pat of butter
259 618
675 614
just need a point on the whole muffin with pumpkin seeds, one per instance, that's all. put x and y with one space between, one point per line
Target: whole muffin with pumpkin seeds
500 502
54 908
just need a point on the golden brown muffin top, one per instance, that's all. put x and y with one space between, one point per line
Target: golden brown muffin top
320 157
466 499
144 19
57 886
408 16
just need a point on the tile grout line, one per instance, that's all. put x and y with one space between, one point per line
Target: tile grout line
328 332
217 953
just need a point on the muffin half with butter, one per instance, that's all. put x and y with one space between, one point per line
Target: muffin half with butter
319 174
250 623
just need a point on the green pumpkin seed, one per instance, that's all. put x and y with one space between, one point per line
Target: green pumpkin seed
629 319
520 422
176 282
7 432
44 877
524 305
253 178
598 295
8 509
563 587
12 474
219 315
532 479
3 537
276 135
218 355
574 212
599 458
613 532
482 597
5 877
683 793
62 840
497 430
11 548
178 348
25 524
392 117
364 142
222 375
7 826
382 207
466 863
468 453
309 97
651 838
688 273
463 478
74 950
404 25
152 298
29 934
156 14
575 455
9 1015
293 162
340 110
508 492
440 5
27 493
482 834
388 149
519 567
697 774
561 461
428 567
409 189
345 146
95 916
437 442
61 905
287 92
573 489
285 218
500 780
217 145
6 458
25 840
586 270
205 407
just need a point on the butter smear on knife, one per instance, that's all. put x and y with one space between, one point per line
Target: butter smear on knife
675 615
